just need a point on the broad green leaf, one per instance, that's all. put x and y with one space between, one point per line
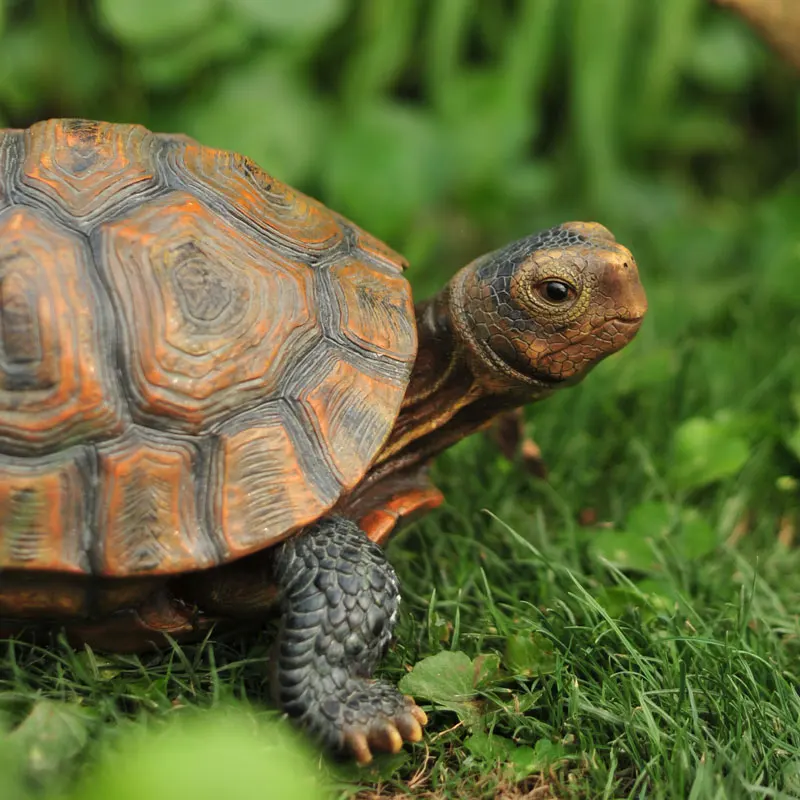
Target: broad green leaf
529 654
649 598
296 18
651 519
637 370
705 451
448 679
140 23
540 758
492 748
625 550
489 747
695 537
485 669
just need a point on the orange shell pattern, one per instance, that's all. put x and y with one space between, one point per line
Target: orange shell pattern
195 359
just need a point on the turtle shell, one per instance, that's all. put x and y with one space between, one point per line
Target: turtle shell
195 359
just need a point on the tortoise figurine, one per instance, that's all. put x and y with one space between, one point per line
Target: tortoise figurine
217 397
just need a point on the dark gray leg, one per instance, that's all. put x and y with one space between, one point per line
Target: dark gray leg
339 606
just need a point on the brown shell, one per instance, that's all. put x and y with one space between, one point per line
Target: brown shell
195 360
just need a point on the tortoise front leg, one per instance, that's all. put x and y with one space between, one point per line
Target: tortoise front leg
339 604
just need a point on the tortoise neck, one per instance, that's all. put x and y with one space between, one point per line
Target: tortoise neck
440 362
444 401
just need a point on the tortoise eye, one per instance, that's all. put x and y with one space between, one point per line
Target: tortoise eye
555 291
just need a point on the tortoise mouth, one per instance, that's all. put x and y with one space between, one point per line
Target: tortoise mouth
623 330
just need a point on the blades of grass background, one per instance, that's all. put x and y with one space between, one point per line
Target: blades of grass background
447 26
385 42
601 44
528 52
673 28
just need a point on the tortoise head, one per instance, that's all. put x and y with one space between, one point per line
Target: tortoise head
542 311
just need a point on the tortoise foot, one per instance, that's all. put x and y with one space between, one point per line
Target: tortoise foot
339 602
370 717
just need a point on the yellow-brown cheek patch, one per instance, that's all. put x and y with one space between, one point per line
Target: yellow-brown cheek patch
86 167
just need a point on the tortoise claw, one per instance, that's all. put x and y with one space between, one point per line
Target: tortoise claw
356 742
378 731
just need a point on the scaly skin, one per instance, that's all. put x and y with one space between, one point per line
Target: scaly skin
339 604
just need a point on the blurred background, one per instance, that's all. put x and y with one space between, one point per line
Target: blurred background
448 127
445 127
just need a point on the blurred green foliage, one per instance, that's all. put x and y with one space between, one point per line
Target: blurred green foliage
442 126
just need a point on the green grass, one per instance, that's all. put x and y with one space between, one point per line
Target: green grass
627 629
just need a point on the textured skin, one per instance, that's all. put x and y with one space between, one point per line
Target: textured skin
531 340
195 359
339 605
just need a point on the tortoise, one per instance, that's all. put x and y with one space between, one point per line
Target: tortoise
217 398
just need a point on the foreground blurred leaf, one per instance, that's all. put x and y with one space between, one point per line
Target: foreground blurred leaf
217 754
48 740
144 22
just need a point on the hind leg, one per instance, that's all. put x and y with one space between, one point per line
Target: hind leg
339 601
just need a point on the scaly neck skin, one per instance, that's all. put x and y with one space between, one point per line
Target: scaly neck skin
444 401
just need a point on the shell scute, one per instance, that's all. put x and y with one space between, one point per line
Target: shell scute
208 315
57 386
44 521
351 414
265 203
87 167
261 483
378 314
147 507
